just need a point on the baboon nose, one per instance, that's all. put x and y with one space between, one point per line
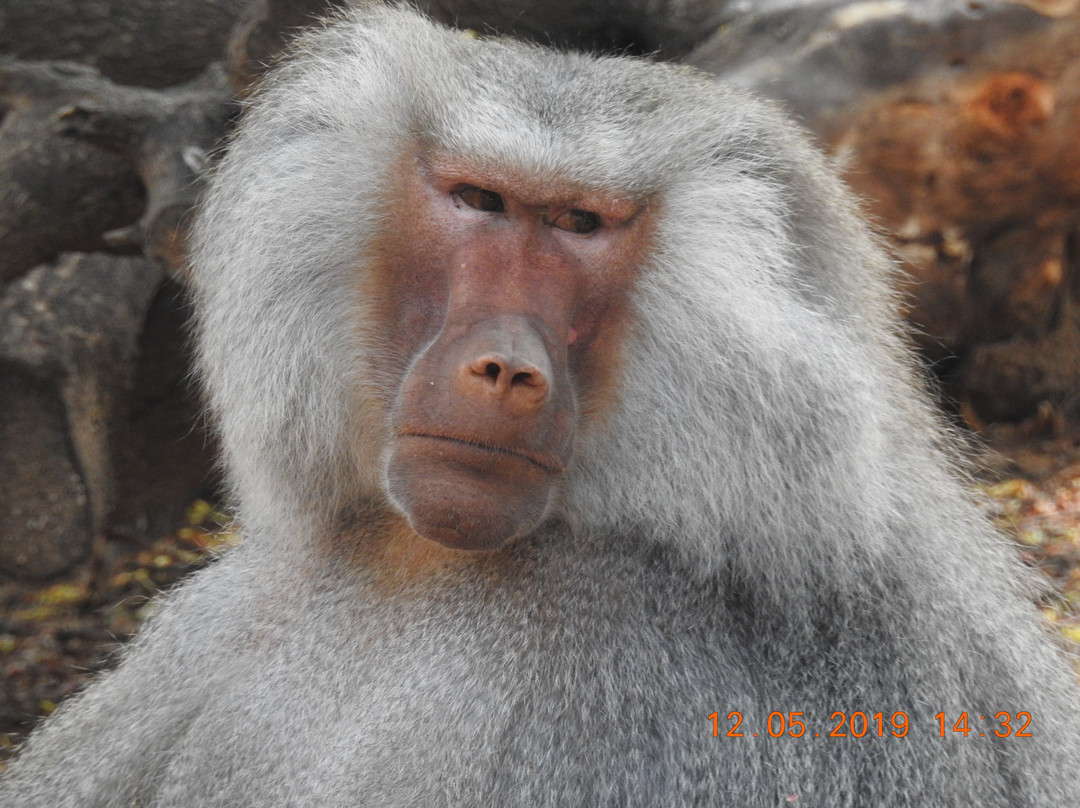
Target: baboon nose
515 382
504 364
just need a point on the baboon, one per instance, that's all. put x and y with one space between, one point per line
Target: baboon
581 462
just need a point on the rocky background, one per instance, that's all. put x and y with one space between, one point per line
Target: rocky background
957 121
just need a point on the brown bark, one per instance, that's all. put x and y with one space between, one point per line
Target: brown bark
666 28
167 136
92 376
960 126
56 194
150 43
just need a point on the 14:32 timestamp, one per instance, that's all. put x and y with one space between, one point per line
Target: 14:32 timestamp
860 724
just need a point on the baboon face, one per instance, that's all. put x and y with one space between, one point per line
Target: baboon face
503 298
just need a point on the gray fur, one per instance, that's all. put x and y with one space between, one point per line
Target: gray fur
765 521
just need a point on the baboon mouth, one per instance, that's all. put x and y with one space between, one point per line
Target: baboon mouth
549 465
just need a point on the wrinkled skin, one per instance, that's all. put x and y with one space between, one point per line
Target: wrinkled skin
498 298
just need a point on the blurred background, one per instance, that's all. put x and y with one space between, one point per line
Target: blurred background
956 121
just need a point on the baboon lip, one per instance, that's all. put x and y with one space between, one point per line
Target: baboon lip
548 464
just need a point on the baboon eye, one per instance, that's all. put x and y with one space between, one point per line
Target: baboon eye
481 199
575 221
